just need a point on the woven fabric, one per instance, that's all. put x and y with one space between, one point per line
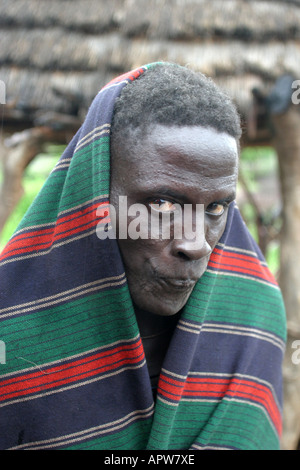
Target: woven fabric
75 374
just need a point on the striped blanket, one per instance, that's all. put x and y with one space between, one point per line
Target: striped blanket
75 375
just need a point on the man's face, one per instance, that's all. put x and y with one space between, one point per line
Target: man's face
173 165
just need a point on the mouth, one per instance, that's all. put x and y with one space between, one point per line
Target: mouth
177 284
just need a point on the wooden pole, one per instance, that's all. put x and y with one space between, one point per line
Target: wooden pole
287 144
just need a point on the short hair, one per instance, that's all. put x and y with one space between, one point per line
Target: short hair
172 95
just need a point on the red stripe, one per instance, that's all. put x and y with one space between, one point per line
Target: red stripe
237 255
74 371
240 263
41 239
132 75
220 388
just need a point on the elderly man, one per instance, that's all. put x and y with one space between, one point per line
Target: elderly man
136 340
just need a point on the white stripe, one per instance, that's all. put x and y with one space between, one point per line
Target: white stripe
244 328
69 358
75 384
216 330
78 146
58 167
53 246
242 276
178 376
240 376
89 433
198 447
238 250
89 134
103 196
233 330
189 330
62 296
65 211
166 401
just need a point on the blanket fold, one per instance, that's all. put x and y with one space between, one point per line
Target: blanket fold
75 375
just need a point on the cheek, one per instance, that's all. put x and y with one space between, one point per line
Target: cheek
215 231
135 253
139 243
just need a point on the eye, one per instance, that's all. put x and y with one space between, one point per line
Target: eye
216 209
162 205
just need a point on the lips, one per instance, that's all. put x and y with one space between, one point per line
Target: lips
177 284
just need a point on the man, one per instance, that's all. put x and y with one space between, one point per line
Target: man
142 341
167 154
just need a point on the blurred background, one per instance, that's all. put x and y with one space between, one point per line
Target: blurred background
55 55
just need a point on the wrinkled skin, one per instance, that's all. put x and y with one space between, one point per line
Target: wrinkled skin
173 165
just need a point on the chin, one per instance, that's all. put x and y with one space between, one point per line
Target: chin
163 307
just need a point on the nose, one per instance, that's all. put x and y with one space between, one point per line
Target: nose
190 242
190 250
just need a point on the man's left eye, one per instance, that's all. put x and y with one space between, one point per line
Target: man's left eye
215 209
162 205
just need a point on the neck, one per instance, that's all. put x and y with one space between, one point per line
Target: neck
152 325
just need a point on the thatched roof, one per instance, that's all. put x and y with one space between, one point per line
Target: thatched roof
49 47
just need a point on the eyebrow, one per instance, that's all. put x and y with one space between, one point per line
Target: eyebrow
231 197
167 192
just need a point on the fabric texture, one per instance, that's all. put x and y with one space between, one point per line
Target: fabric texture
75 375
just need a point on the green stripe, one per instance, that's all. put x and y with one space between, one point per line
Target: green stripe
44 207
132 437
226 423
89 164
68 329
68 187
251 303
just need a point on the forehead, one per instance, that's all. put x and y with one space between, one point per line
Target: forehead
180 156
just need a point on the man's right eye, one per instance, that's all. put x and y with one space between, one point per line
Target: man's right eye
162 205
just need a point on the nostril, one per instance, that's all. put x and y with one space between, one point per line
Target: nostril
190 251
182 255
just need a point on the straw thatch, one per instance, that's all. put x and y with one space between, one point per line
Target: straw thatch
52 47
